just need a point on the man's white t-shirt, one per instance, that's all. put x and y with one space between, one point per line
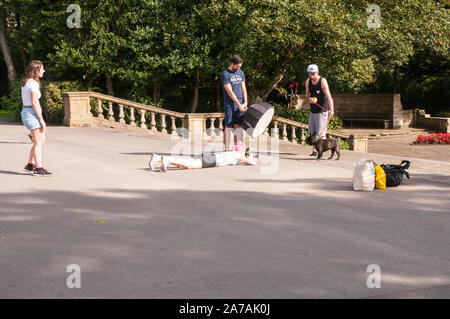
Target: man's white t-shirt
30 86
227 158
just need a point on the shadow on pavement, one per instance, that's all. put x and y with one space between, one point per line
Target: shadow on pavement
14 173
221 244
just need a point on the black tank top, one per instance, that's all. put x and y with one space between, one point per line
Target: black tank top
315 90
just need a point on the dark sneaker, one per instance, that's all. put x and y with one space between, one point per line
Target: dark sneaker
40 171
30 168
314 153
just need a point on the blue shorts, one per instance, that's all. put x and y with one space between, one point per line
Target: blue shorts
232 116
30 119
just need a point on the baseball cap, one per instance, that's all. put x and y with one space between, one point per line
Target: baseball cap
312 68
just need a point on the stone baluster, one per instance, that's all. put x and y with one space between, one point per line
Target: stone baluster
205 132
100 110
220 127
275 129
174 126
163 123
285 132
153 122
132 118
293 136
143 125
121 115
212 128
302 136
110 112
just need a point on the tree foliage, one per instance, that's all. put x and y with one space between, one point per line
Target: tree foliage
180 47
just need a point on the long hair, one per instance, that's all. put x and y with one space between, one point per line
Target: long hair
32 72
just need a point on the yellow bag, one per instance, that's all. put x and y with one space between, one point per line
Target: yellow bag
380 178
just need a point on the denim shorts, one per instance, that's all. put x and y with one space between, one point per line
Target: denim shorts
30 119
233 116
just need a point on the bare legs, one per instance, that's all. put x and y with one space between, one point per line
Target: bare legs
36 151
183 162
227 138
237 133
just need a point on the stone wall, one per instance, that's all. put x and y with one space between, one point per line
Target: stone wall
382 107
403 118
367 106
437 124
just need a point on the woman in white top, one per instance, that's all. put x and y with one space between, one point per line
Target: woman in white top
206 160
32 116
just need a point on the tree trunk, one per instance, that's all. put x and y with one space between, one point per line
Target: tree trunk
109 84
196 86
217 91
22 50
394 84
12 76
273 85
155 91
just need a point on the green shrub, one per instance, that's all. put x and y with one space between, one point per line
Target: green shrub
12 102
52 100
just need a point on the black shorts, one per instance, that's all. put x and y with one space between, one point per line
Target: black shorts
233 116
208 160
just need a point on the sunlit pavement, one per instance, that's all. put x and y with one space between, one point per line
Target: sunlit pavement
229 232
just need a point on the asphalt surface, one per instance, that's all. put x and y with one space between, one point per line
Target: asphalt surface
228 232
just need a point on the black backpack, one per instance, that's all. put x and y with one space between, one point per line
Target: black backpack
394 173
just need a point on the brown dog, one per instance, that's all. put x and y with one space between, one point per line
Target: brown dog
323 145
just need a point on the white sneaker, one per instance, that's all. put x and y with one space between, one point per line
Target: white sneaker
164 164
155 160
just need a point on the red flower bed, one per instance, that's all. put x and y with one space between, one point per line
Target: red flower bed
434 138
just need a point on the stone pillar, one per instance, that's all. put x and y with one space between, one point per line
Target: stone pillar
194 123
359 143
77 109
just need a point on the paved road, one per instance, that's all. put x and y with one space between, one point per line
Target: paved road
399 142
229 232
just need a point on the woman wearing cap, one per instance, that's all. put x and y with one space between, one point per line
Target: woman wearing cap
318 93
32 116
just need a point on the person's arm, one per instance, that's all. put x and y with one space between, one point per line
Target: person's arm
244 94
310 100
250 160
233 97
37 108
327 92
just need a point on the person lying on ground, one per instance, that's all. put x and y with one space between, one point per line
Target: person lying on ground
203 161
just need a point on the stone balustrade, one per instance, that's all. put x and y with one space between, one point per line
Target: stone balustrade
96 109
356 142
